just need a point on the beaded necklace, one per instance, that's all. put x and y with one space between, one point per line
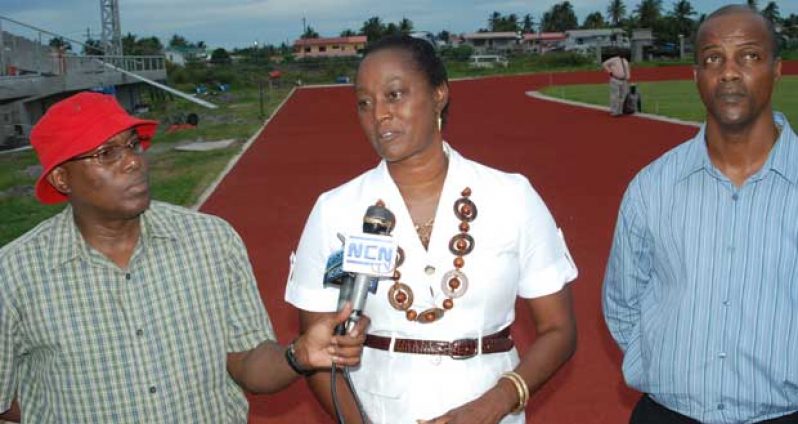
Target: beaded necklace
454 283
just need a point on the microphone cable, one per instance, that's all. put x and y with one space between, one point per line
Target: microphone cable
340 330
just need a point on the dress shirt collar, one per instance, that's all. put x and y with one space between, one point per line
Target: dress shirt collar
68 244
781 159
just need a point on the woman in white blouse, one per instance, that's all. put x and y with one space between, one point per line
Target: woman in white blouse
474 238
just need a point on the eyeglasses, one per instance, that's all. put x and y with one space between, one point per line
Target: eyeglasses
108 155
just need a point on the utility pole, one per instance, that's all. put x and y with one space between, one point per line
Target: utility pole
111 28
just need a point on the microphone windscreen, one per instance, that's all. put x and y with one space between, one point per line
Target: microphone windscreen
333 271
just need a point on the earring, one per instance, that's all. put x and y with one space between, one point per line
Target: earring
440 123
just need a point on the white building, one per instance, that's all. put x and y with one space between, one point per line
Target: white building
586 40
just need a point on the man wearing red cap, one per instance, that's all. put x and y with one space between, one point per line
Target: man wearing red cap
123 309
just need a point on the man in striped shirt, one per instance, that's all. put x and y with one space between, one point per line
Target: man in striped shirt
125 310
701 287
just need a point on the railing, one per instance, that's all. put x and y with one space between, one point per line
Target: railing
25 52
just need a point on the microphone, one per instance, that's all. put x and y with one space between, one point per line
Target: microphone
354 286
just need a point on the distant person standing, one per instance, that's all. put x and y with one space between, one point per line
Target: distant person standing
618 68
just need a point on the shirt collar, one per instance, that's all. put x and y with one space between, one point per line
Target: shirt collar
784 156
68 244
781 159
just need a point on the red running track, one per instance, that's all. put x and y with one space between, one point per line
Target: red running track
580 160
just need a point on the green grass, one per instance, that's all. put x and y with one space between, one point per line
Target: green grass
675 99
175 176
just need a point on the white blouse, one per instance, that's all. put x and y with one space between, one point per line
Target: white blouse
518 251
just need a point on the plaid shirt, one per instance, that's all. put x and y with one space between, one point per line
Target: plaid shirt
82 340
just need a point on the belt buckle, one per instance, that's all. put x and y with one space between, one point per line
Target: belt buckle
459 349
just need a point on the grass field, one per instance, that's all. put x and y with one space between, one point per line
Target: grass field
175 176
675 99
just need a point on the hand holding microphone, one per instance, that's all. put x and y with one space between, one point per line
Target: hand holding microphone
319 348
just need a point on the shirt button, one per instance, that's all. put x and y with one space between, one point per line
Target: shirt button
721 406
429 269
722 355
153 390
725 303
127 276
139 332
735 197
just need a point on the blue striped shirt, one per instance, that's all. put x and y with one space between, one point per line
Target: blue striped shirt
701 288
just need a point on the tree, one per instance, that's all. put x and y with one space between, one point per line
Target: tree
148 46
648 12
616 11
771 11
753 4
373 28
220 57
528 23
309 33
348 33
92 48
405 26
499 23
494 21
594 21
444 36
60 43
391 29
682 18
559 18
178 41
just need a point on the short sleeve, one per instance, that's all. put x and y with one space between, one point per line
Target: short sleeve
546 264
305 287
9 325
248 324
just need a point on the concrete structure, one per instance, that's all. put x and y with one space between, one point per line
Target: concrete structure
34 75
543 42
493 42
329 47
588 40
641 38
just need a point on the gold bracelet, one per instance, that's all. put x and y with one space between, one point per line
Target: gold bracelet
521 388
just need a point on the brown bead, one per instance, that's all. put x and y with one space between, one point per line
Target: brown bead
466 191
397 275
380 203
459 262
411 315
430 316
466 210
454 283
400 297
464 227
461 244
448 304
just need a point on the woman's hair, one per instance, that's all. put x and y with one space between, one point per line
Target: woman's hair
423 56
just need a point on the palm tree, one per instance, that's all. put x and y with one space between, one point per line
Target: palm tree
405 26
771 11
528 23
594 21
682 13
616 12
648 12
753 4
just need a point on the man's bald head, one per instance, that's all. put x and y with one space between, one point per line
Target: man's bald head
732 9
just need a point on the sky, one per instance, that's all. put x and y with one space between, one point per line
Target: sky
243 23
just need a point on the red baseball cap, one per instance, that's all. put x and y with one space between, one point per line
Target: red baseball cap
76 125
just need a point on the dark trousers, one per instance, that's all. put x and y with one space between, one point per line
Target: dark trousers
649 412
